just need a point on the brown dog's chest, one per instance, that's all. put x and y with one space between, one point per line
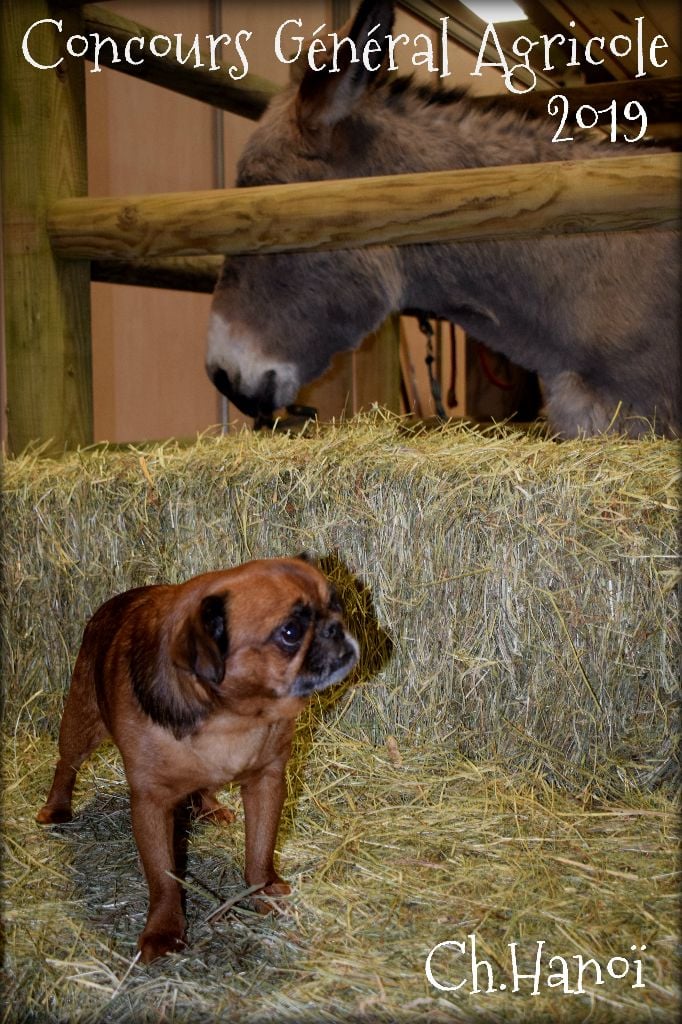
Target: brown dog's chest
225 749
229 753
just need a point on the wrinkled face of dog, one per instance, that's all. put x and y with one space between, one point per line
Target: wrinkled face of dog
267 640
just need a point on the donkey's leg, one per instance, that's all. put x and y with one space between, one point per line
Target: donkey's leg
574 409
82 730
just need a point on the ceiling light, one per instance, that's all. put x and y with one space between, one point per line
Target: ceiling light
495 10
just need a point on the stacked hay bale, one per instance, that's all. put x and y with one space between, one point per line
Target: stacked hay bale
514 597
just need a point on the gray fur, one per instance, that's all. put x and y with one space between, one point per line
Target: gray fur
597 316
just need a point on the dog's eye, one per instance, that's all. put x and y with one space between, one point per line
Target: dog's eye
289 636
291 633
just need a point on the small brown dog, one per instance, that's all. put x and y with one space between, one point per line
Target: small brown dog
199 684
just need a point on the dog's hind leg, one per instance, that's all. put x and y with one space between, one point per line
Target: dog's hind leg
206 807
81 731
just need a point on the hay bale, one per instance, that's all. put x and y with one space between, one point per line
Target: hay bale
517 596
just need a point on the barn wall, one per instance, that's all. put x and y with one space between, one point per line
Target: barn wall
149 379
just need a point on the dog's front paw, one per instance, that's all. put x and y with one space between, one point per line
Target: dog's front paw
277 888
155 944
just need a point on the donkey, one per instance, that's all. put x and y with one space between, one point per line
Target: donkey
595 315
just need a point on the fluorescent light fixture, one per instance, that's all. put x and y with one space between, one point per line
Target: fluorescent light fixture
495 10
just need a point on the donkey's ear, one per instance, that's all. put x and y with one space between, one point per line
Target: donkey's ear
325 96
203 642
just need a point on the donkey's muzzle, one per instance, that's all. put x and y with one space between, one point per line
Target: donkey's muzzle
261 403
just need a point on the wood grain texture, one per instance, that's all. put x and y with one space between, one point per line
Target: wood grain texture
381 348
47 301
607 194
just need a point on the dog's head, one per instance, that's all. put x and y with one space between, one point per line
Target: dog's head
256 640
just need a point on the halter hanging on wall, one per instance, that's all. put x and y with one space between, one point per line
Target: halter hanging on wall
436 393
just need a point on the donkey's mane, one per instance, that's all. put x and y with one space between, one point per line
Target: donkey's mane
400 85
494 117
427 94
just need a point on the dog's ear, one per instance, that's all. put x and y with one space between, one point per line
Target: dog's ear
203 644
212 640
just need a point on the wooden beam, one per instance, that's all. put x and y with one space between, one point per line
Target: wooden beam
46 301
607 194
248 96
188 274
661 98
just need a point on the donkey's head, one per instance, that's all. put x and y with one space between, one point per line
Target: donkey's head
277 320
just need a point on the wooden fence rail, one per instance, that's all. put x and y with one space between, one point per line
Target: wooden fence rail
609 194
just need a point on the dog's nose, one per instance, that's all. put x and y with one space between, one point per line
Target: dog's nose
333 631
347 654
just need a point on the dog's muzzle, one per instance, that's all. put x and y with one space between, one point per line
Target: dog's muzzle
328 662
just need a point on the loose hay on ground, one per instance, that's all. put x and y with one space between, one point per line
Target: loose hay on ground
390 851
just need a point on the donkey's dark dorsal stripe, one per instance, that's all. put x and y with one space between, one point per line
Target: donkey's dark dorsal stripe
596 315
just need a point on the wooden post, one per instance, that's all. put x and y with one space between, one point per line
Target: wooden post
47 301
